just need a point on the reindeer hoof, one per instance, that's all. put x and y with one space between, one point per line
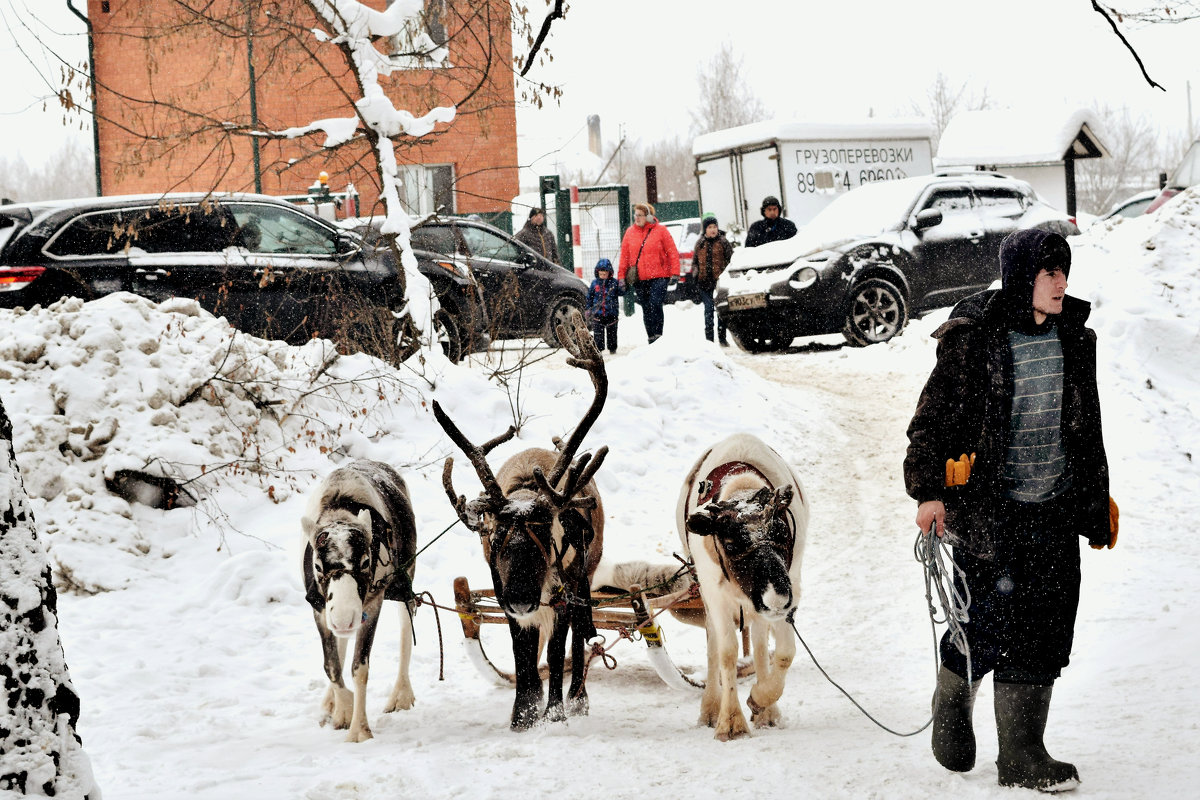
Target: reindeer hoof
400 701
768 717
555 713
734 728
524 719
338 705
360 734
578 706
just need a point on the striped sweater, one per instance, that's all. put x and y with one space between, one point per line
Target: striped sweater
1034 470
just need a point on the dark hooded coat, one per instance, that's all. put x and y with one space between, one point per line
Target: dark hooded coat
967 401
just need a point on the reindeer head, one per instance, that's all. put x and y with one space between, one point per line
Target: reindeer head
752 539
526 532
340 564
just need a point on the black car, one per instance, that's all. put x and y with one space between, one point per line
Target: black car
270 268
876 256
524 294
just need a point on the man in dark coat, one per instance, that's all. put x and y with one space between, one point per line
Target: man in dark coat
773 227
536 235
1015 386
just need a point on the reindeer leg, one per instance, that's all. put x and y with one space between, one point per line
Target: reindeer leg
731 723
582 629
360 731
710 701
526 709
769 679
338 699
556 653
402 693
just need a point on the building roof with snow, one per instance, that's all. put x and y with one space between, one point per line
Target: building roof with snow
1019 138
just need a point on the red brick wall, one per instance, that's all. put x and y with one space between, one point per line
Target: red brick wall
166 82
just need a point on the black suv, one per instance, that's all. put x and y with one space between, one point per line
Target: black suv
270 268
876 256
523 293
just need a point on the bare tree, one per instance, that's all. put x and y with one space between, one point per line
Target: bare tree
68 173
1135 159
943 100
726 97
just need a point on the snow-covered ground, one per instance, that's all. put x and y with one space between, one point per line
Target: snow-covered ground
199 667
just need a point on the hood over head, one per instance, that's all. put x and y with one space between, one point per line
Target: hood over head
1023 254
604 263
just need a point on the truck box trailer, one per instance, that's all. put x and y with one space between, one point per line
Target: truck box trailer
805 164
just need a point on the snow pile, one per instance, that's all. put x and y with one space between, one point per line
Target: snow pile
1142 275
121 384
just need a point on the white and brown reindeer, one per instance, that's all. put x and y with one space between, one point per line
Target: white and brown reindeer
360 542
541 524
743 516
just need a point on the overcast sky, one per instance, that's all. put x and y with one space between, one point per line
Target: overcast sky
634 62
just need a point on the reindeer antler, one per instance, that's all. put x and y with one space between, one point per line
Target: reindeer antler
457 500
579 343
477 456
582 471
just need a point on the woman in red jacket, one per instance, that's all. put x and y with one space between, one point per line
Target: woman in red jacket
649 250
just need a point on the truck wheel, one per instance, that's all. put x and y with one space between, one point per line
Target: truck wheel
877 312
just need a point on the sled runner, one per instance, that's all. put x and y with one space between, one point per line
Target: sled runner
627 613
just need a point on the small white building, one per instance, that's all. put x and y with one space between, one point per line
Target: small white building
1040 147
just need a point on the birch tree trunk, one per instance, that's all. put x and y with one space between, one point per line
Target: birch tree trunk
40 753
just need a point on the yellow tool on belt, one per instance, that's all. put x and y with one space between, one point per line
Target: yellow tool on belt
959 472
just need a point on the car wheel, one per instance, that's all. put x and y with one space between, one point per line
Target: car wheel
761 340
877 312
563 308
449 335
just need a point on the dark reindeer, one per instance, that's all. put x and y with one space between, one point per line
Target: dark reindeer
743 519
541 524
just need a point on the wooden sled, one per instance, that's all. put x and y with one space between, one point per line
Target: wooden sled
625 612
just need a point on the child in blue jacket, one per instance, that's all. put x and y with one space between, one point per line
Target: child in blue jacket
603 307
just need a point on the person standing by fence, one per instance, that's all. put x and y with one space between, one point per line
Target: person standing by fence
649 259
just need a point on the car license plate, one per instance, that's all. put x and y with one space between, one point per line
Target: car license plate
743 302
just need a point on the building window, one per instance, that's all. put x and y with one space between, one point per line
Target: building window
427 188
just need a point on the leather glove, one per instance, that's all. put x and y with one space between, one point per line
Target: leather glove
1114 514
959 472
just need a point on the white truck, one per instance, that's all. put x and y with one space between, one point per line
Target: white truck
804 164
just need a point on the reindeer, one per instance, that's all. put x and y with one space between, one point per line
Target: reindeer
541 524
744 527
360 542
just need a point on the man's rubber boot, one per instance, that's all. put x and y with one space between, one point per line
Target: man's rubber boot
953 735
1021 712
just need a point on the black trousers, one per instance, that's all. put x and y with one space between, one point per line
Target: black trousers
605 328
1023 604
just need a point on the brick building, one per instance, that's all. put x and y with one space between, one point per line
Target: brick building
174 99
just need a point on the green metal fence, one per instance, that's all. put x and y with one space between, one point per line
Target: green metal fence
668 210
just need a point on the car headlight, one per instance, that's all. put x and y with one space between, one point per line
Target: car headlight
803 278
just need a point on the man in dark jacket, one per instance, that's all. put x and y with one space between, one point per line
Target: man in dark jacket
1015 386
772 227
537 236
